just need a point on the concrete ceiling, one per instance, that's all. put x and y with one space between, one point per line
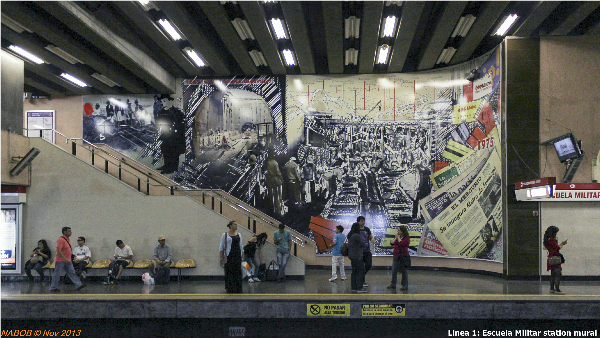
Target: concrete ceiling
124 42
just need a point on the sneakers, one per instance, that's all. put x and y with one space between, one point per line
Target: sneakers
365 285
332 279
343 278
361 291
80 287
559 292
391 287
250 280
404 288
254 279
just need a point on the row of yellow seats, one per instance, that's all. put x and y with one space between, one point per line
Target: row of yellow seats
141 264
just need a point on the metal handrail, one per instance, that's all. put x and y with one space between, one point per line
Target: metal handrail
296 236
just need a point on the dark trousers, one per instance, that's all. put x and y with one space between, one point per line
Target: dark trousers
79 267
358 274
368 260
398 266
37 266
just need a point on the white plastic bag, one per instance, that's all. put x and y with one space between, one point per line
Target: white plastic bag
147 279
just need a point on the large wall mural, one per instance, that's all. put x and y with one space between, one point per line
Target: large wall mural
314 151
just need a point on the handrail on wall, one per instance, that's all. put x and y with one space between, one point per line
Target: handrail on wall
296 237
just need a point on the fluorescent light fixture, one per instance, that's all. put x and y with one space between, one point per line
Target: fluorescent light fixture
242 28
104 80
26 54
351 57
63 55
15 26
446 55
258 58
219 84
352 27
288 55
194 56
397 3
463 26
382 54
543 191
389 27
73 79
170 29
278 28
505 26
144 2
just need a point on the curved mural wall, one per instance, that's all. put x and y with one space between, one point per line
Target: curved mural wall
314 151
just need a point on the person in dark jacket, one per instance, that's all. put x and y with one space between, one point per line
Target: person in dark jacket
356 246
551 244
39 257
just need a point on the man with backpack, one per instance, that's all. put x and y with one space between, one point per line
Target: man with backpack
161 260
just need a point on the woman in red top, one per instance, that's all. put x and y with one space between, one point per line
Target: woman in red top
551 244
401 242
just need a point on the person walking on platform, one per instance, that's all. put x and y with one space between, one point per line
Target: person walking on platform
62 262
356 247
231 252
551 244
366 237
401 242
283 239
336 254
39 257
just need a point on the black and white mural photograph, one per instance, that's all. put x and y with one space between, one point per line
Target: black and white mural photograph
419 150
147 128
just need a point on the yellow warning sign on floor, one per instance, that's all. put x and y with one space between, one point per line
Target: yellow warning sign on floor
383 310
335 310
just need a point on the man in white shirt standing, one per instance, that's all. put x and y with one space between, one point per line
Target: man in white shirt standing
123 256
82 255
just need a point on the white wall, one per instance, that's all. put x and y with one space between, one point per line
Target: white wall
578 222
68 192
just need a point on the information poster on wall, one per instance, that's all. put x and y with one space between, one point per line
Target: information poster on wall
41 120
9 239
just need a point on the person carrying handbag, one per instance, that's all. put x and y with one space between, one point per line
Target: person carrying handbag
401 259
554 265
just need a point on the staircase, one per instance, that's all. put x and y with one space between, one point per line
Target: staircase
152 183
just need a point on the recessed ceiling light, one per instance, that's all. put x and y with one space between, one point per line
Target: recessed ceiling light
26 54
389 26
505 26
170 29
74 80
195 57
382 54
352 27
288 55
278 28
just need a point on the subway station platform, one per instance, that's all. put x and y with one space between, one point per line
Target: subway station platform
436 304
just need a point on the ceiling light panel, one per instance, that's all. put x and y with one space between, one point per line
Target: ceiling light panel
351 57
195 57
288 55
104 80
506 24
389 27
243 29
63 55
73 80
463 26
382 54
352 27
446 55
26 54
258 58
278 28
170 29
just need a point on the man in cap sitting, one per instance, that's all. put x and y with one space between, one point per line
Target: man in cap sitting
162 257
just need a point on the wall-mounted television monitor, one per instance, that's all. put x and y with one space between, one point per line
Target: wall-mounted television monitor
566 147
